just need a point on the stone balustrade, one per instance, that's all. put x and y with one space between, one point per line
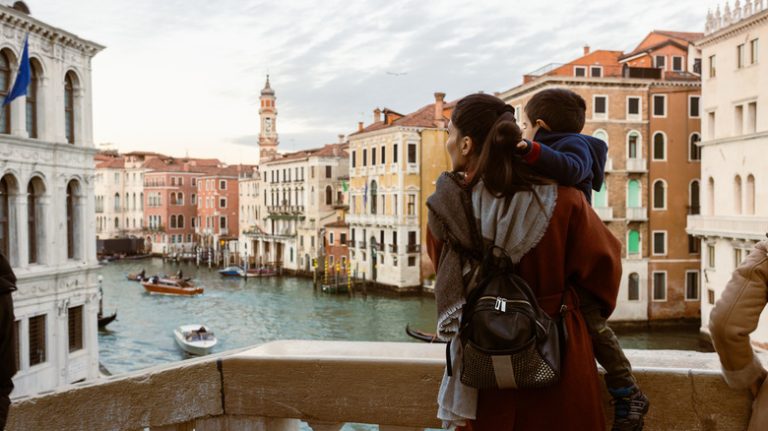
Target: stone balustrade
274 386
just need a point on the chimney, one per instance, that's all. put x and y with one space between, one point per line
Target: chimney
376 115
360 126
341 139
586 49
439 99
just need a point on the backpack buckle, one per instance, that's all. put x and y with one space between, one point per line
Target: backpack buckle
501 304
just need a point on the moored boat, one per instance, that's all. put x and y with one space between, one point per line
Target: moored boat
421 335
261 272
232 271
171 286
195 339
106 320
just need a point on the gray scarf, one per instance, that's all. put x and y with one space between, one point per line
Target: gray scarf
516 224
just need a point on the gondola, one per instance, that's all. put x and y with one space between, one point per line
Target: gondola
106 320
423 336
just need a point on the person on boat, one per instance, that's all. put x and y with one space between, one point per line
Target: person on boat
142 274
557 243
179 274
7 337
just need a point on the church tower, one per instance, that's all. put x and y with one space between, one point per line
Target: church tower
268 134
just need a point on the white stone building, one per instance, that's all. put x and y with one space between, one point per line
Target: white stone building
734 166
119 187
249 185
47 211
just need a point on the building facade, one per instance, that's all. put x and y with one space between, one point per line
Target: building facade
47 205
394 163
218 218
249 184
645 105
734 179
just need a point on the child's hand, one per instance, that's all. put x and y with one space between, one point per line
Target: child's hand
522 147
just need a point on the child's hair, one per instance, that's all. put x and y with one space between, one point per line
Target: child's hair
562 110
491 124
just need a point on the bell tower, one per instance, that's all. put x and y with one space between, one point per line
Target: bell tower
268 133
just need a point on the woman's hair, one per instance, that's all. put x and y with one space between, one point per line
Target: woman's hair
491 125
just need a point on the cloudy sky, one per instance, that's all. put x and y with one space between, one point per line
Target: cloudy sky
183 76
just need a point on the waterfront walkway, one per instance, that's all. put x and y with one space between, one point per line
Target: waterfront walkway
325 383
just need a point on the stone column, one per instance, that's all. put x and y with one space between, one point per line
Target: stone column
22 239
19 117
45 231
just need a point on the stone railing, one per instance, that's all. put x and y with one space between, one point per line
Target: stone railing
736 227
327 384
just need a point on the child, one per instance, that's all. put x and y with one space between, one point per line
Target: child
552 144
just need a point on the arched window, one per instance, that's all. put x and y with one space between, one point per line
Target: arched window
73 220
328 195
659 195
173 197
373 197
69 107
694 151
633 287
737 195
173 222
117 223
749 207
35 219
117 201
602 135
600 199
633 194
711 196
31 108
127 202
5 87
180 222
5 219
633 145
694 203
633 243
659 146
133 198
141 201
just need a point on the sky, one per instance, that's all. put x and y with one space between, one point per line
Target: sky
183 77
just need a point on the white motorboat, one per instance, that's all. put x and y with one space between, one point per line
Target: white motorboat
195 339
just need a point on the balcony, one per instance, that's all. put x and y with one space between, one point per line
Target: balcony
736 227
637 214
609 165
413 248
605 213
393 248
362 244
327 384
637 165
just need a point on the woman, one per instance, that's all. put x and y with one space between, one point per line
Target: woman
558 243
734 317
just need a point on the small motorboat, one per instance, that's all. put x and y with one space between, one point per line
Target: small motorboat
136 276
171 286
232 271
423 336
195 339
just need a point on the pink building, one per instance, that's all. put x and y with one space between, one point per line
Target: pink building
218 205
170 203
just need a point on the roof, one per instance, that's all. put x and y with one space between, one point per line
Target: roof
328 150
423 117
112 163
684 35
659 38
337 223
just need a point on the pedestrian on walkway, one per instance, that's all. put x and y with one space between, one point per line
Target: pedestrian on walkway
735 316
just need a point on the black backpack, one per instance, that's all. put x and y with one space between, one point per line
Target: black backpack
508 340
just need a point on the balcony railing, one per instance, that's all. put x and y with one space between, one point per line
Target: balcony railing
362 244
608 164
413 248
637 165
327 384
605 213
393 248
637 213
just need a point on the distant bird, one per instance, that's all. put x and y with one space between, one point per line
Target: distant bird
397 73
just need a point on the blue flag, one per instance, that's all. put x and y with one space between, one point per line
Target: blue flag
22 78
